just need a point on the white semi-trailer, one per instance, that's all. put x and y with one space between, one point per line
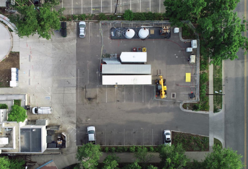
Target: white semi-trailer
126 79
133 57
127 69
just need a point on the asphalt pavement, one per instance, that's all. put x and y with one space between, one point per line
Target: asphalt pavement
235 81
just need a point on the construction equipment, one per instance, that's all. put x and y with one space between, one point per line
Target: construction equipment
161 88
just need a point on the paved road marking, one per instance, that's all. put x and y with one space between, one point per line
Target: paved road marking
101 5
72 7
91 6
82 6
245 97
159 10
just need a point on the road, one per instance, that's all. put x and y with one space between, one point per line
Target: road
236 97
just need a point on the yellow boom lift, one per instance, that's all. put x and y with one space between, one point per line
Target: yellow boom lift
161 88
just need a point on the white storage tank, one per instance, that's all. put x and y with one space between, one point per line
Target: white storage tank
129 34
143 33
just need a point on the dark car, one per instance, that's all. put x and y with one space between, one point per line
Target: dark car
63 29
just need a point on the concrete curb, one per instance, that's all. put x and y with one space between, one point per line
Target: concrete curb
8 23
191 111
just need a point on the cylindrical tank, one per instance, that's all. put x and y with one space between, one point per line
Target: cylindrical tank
129 34
143 33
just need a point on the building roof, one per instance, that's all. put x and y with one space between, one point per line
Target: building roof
31 140
3 115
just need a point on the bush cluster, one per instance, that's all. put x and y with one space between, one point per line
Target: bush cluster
3 106
131 149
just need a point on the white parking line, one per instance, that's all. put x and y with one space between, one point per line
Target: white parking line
150 5
111 6
101 5
133 93
106 95
130 5
159 9
72 7
81 6
91 6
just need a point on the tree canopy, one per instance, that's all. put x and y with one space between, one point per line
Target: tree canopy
110 162
172 156
220 28
223 159
33 19
88 155
4 163
17 113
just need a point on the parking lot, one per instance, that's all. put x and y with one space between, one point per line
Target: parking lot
108 6
129 115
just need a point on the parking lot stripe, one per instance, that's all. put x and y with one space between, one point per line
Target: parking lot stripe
82 6
150 5
159 9
101 5
106 94
111 6
140 5
130 5
91 6
133 93
72 7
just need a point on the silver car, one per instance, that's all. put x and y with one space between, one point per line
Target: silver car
167 137
82 27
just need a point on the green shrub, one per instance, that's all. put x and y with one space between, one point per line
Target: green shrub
149 16
17 102
63 18
17 113
132 149
102 16
113 149
3 106
119 149
205 106
203 78
113 17
139 16
106 149
216 110
138 149
196 107
75 17
151 149
128 15
125 149
82 17
156 149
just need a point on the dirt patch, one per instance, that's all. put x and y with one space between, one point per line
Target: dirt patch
5 68
190 142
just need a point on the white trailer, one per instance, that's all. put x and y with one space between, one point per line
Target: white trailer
133 57
126 79
132 69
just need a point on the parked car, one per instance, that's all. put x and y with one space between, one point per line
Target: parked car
41 110
63 30
167 137
91 131
82 27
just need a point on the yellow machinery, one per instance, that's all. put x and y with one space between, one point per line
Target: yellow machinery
161 88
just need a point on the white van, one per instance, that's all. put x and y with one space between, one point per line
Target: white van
189 49
41 110
194 44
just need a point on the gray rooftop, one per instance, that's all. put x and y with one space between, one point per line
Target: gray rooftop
135 69
31 140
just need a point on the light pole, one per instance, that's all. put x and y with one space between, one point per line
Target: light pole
116 6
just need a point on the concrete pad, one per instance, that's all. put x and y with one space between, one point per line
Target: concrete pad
87 5
68 5
145 5
77 9
136 5
107 6
5 41
155 6
96 6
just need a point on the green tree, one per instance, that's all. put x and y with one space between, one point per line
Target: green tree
142 156
135 165
4 163
89 154
152 167
221 36
32 19
17 113
178 10
110 162
172 156
17 164
223 159
128 15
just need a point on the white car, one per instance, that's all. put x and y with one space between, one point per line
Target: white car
194 44
91 131
167 137
82 26
41 110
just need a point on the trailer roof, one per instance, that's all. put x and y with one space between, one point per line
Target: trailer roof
133 57
126 69
126 79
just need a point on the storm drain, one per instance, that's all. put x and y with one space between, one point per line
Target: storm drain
173 95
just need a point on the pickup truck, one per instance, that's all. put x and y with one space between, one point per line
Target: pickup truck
91 131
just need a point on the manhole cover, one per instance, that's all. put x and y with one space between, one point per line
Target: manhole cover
173 95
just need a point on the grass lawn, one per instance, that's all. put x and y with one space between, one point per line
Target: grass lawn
17 102
217 80
190 142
